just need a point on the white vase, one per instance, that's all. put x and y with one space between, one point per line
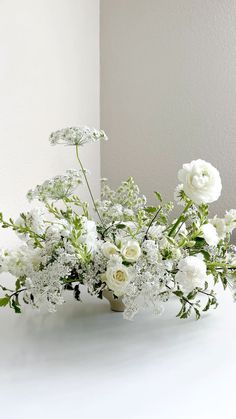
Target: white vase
115 303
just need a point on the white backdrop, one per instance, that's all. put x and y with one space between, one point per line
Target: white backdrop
49 79
168 91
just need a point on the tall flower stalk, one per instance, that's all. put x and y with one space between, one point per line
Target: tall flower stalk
87 183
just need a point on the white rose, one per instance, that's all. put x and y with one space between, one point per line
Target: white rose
230 219
117 278
220 226
210 234
192 273
201 181
109 249
131 251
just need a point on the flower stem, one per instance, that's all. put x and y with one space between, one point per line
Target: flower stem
150 224
180 219
220 265
87 183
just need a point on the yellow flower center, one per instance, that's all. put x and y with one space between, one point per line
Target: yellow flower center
131 252
120 276
112 251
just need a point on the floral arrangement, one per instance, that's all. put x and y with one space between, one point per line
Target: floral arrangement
135 251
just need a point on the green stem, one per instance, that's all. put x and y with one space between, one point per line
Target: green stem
151 222
180 219
87 183
221 265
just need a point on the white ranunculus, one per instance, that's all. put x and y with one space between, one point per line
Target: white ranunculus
192 273
109 249
117 278
201 181
210 234
131 251
220 226
230 220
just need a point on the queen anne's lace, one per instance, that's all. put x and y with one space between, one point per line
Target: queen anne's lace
77 136
58 187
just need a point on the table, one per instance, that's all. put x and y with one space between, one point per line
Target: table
87 362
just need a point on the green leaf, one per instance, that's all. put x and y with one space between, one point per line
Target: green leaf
192 294
16 307
158 195
197 313
178 293
18 284
206 255
120 226
150 210
4 301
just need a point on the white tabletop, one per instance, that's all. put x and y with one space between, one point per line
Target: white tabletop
87 362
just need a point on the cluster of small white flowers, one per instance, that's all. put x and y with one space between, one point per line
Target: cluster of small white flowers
217 229
21 262
77 136
147 290
33 219
58 187
45 286
121 204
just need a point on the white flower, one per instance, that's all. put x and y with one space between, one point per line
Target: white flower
34 219
58 187
89 236
151 251
155 231
131 251
77 136
21 262
220 226
230 219
117 277
201 181
210 234
192 273
109 249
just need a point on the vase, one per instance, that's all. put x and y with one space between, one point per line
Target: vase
116 304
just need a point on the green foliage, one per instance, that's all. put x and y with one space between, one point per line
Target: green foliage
4 301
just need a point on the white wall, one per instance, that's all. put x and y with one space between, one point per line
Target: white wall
49 79
168 90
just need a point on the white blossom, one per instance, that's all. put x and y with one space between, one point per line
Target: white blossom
130 250
201 181
192 273
77 136
89 234
109 249
220 226
117 276
210 234
230 220
58 187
